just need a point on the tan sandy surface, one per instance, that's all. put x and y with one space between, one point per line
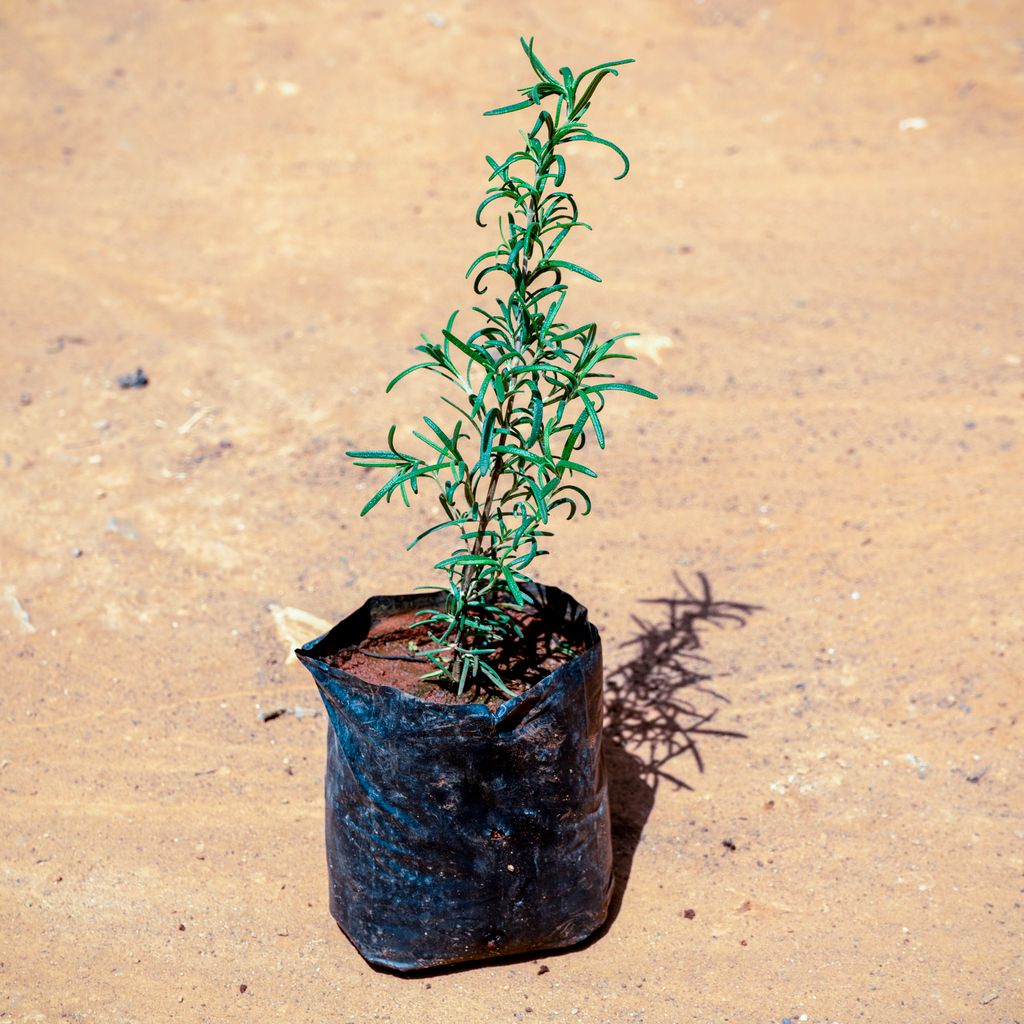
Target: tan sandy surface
262 205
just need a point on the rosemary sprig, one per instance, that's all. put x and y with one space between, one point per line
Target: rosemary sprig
529 390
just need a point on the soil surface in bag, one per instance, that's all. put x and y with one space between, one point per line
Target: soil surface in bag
390 655
455 831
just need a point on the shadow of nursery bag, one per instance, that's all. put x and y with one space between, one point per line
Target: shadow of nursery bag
459 833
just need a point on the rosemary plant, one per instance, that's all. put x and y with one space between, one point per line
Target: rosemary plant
528 391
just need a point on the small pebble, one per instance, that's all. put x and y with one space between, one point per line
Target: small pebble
138 379
76 552
242 987
543 969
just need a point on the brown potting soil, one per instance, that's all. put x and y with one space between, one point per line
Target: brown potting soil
392 656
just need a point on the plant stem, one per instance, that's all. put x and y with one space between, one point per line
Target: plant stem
498 467
478 545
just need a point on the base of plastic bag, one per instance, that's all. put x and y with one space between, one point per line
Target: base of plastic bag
457 833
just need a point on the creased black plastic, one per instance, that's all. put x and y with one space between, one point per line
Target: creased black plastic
456 833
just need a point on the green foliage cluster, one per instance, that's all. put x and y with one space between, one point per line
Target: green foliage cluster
528 391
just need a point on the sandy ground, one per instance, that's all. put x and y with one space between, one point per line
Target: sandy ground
262 205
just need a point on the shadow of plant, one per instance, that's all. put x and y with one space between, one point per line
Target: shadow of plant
651 718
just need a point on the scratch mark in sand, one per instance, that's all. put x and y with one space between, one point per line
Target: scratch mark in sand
11 597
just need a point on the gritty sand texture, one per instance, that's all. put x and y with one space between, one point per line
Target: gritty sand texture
262 205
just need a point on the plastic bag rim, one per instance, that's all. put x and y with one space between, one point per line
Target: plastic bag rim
533 694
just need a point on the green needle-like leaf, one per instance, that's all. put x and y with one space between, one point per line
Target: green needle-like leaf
617 386
509 109
574 267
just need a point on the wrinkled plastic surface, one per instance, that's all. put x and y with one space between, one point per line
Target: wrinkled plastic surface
456 833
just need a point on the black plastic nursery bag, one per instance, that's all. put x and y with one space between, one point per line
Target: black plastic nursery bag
454 832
